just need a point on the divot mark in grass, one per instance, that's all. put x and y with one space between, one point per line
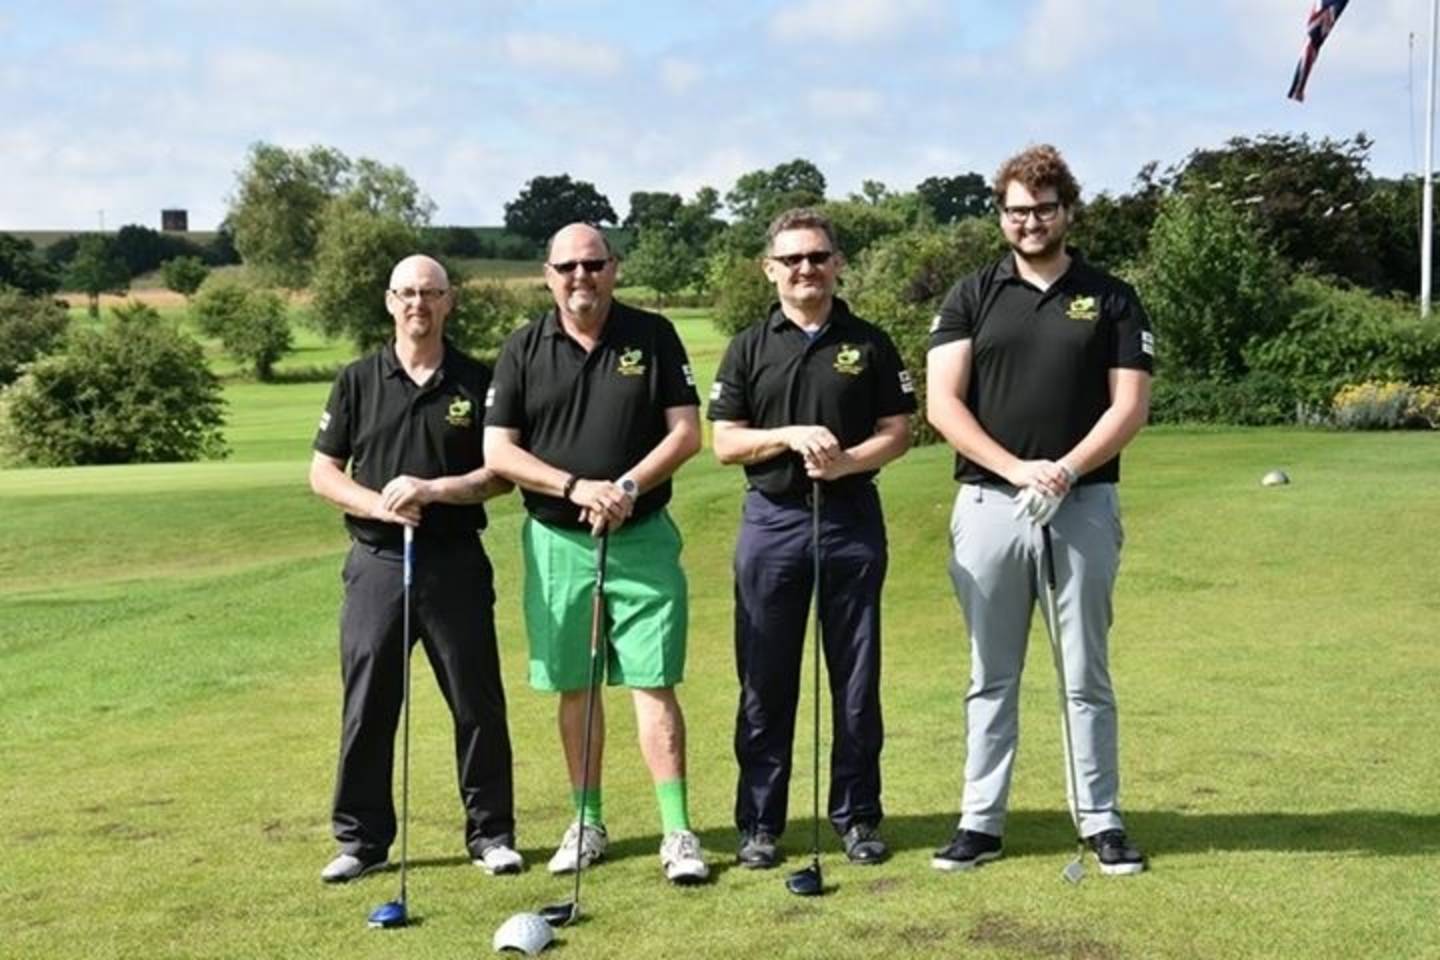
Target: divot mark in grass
883 885
1028 939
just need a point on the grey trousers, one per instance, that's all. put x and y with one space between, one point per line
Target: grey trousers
997 569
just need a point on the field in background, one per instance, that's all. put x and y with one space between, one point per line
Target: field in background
169 697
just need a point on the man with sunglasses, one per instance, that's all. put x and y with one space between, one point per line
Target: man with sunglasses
592 410
406 421
809 397
1039 375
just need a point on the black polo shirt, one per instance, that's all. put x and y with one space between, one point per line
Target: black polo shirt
1042 359
386 425
845 379
596 414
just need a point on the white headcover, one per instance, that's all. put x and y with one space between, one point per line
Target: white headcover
526 932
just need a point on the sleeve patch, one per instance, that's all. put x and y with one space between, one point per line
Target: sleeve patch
689 374
1147 343
907 383
935 323
325 421
490 398
717 389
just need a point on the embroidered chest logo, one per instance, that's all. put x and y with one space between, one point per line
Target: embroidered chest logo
847 360
1083 308
460 413
632 363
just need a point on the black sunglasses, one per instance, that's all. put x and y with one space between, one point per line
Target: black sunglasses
591 266
817 258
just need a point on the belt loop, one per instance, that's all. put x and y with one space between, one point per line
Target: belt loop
979 492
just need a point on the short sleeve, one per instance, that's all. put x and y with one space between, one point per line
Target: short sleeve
729 394
505 400
332 437
956 318
1134 340
676 379
894 388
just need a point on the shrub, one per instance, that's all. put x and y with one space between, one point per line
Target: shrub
1257 399
742 293
136 390
29 327
1386 405
251 323
485 314
1338 336
184 275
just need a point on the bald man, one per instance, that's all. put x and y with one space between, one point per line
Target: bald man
592 410
400 444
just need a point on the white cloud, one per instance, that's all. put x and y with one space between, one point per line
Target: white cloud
125 59
678 76
845 103
847 21
560 54
1059 34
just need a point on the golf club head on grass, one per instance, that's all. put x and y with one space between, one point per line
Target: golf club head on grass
388 916
1074 871
560 914
806 883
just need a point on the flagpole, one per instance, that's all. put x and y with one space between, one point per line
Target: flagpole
1427 213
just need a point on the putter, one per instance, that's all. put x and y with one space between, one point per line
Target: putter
1074 871
809 882
394 914
564 914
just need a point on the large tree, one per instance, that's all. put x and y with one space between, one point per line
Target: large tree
96 269
546 204
24 268
250 322
355 255
652 209
281 197
954 198
760 194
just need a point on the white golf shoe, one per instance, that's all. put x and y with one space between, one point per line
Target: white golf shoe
682 858
498 859
346 867
591 850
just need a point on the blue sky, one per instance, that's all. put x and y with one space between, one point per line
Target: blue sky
128 107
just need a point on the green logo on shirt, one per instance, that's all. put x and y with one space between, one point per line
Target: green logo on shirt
847 360
459 413
1083 308
631 363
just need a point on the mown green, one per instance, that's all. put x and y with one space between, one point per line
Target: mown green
169 702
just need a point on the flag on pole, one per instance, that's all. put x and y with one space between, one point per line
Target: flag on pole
1317 27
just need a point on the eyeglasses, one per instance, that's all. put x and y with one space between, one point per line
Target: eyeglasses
590 266
428 294
816 258
1044 212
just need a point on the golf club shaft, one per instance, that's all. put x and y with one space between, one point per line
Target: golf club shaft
597 620
815 551
409 566
1053 621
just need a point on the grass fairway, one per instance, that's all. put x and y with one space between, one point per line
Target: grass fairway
169 703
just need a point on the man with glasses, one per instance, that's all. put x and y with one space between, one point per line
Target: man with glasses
406 421
1039 375
811 397
592 410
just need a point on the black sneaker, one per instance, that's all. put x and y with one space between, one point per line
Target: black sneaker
967 850
864 845
1116 854
758 850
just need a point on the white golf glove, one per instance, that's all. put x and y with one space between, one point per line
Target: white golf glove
1038 507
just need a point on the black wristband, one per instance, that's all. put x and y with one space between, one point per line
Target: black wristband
569 487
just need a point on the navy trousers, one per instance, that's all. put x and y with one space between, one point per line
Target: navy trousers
773 586
452 610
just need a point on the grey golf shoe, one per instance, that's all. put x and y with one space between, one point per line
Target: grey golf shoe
864 845
346 867
498 858
966 851
592 850
682 859
758 851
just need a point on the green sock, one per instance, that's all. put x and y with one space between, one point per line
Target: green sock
673 813
594 810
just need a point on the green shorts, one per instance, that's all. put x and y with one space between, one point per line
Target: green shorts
645 597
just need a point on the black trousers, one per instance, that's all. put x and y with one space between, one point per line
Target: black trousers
773 584
452 614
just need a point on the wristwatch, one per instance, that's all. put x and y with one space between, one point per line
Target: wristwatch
629 487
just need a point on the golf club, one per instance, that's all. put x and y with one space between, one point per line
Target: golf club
809 882
1074 871
564 914
394 913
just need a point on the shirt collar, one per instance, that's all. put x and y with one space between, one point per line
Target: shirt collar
840 316
390 361
1078 266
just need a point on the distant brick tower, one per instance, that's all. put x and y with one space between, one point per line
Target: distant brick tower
175 221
